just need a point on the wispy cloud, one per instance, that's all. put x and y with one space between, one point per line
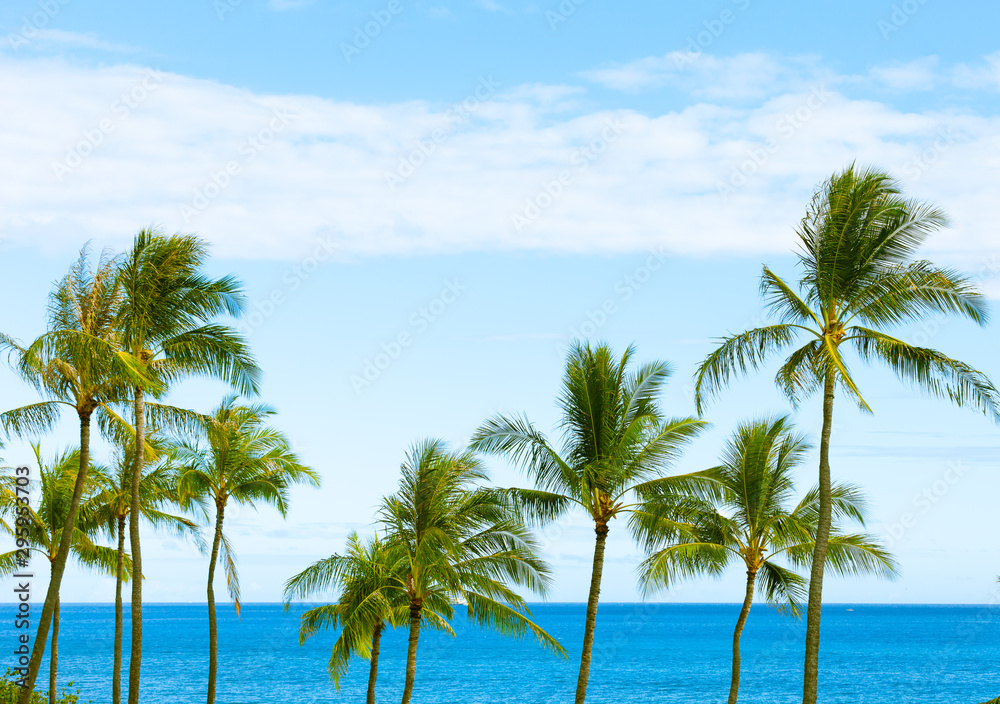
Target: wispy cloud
47 39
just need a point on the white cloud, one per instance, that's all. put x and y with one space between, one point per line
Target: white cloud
920 74
51 38
985 74
649 181
744 76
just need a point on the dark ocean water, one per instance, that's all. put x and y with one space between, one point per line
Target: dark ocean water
645 653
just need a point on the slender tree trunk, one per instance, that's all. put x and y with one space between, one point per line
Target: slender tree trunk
135 657
734 687
116 677
213 634
54 655
595 593
58 566
411 652
814 610
373 670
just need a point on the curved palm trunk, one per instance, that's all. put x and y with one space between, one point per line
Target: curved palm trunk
135 657
58 566
373 670
813 613
213 634
595 593
116 677
411 652
734 687
54 655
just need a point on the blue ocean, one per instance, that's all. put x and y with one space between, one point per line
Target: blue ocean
676 653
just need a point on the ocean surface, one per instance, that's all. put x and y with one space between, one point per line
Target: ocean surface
677 653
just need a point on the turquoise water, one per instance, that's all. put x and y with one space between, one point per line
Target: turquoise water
645 653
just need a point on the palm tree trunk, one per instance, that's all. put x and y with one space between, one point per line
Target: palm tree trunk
135 657
213 634
813 613
595 593
734 687
54 655
411 652
58 566
116 677
373 670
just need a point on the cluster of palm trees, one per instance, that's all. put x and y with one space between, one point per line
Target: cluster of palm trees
859 277
120 333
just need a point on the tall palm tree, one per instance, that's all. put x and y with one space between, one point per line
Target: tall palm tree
859 278
74 365
166 324
755 524
45 526
460 542
367 576
246 461
110 508
616 447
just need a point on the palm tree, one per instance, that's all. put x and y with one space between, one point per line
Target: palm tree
616 447
367 575
754 525
859 277
246 461
45 526
110 509
460 542
74 365
166 327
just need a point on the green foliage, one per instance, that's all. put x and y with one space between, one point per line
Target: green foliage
616 446
753 522
858 243
9 691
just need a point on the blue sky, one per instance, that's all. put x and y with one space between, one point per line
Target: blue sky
483 177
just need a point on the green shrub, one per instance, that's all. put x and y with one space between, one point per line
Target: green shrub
9 691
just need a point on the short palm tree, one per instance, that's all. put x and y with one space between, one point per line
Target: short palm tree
46 522
459 542
368 576
617 445
109 510
248 462
166 327
755 524
74 365
859 278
